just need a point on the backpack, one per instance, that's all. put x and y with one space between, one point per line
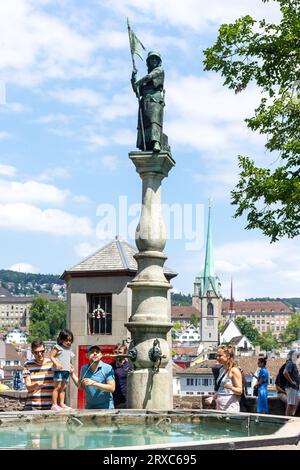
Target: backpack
280 380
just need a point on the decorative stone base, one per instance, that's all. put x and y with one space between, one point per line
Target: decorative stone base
147 390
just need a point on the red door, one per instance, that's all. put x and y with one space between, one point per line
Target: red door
82 359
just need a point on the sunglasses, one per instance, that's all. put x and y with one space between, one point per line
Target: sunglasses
38 352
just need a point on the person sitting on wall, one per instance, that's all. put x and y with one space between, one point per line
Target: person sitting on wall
98 380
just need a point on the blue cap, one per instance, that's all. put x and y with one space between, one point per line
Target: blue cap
94 346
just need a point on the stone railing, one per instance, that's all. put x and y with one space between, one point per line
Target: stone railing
12 400
276 406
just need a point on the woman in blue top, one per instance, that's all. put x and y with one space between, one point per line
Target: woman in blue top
262 385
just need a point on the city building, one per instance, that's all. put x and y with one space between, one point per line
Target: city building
16 336
199 379
264 315
231 333
9 362
14 310
207 297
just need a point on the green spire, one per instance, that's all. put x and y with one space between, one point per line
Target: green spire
209 279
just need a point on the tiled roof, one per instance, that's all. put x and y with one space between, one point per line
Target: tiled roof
190 351
236 339
248 364
176 367
115 256
4 292
258 306
8 352
183 313
13 299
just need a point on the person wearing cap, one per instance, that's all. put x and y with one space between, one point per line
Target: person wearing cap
150 92
98 380
292 376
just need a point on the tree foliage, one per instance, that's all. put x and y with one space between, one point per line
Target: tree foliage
290 333
248 330
194 320
267 54
46 319
267 341
181 299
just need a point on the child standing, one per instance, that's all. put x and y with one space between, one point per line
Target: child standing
61 356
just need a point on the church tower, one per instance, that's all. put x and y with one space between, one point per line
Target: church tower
208 300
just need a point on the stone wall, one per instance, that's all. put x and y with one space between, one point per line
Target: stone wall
276 406
11 400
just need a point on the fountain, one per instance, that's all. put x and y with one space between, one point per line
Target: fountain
150 422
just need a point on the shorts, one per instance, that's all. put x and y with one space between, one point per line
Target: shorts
292 396
229 403
61 375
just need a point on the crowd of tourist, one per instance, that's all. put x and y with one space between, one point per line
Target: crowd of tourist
46 378
105 384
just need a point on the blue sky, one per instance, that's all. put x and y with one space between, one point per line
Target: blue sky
68 120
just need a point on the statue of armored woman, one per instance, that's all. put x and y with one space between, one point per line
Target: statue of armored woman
151 96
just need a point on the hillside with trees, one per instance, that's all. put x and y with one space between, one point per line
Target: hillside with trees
31 284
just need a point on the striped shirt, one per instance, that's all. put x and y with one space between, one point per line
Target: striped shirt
41 398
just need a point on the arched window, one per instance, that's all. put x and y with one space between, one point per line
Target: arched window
210 309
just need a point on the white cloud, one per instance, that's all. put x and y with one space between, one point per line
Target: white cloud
194 14
31 191
5 135
28 218
15 107
54 173
95 141
24 268
258 268
7 170
109 162
81 200
37 46
85 249
49 118
211 118
84 97
248 255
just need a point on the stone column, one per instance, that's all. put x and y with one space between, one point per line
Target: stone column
147 388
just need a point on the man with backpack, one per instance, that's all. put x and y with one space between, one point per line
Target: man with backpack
292 376
281 383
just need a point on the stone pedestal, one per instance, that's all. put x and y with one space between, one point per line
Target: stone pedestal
147 387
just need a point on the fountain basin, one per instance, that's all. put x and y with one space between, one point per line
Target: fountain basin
145 429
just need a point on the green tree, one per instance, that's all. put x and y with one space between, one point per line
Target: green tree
290 334
268 341
249 51
248 330
194 320
177 325
46 318
39 330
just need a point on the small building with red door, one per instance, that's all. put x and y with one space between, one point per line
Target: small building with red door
99 302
